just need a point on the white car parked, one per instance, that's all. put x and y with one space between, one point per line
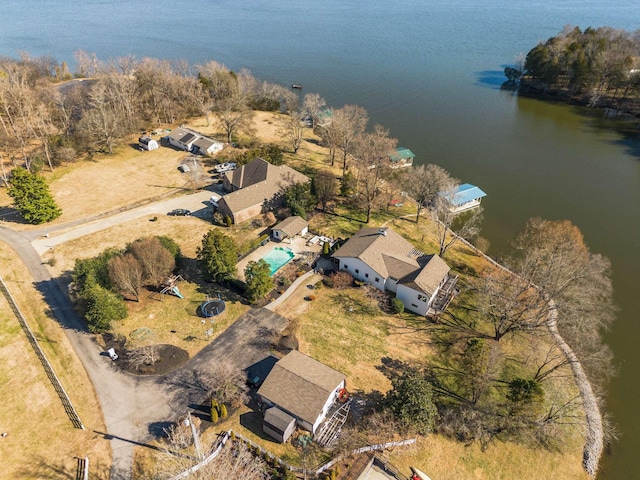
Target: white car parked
225 167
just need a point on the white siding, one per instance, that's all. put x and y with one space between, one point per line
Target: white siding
362 271
332 398
409 298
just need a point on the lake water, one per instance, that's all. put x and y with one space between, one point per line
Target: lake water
429 71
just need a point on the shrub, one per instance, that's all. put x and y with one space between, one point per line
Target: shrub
228 221
325 248
310 298
214 415
268 218
341 280
328 281
397 305
223 411
171 245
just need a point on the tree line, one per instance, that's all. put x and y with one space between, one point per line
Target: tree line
596 66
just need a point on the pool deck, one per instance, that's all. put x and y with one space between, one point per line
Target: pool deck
298 245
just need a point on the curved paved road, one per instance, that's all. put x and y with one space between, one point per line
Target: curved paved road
135 408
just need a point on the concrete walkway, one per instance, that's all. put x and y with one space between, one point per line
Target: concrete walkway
289 291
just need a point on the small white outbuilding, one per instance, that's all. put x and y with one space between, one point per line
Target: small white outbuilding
147 143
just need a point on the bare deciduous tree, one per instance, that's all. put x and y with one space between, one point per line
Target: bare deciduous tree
234 117
144 356
313 105
347 123
451 226
126 273
155 259
292 131
423 183
225 383
371 153
324 186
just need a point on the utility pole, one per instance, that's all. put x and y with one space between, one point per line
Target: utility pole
196 438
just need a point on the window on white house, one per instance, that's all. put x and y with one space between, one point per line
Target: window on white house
414 305
357 271
377 279
366 275
422 298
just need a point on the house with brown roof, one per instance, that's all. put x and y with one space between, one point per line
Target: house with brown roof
384 259
300 387
289 228
253 186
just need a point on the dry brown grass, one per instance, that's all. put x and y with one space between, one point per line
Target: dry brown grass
444 459
41 441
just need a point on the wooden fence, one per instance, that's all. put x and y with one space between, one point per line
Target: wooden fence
57 386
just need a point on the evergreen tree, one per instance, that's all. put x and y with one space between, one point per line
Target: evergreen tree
102 308
218 256
299 199
411 402
258 279
214 415
32 197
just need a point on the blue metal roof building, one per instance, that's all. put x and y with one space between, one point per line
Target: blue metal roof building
467 196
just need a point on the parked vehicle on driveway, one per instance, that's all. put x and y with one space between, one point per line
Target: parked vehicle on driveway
179 212
184 168
112 354
225 167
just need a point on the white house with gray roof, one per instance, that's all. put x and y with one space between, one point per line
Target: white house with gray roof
302 388
190 140
382 258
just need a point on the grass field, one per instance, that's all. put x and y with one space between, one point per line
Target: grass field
41 441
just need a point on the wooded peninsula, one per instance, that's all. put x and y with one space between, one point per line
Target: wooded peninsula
597 67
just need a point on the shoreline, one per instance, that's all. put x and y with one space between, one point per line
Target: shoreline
594 436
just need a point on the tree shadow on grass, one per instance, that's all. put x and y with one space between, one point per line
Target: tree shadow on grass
393 368
9 214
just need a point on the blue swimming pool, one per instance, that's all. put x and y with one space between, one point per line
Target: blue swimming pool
278 257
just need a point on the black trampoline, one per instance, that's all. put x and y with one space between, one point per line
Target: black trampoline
212 308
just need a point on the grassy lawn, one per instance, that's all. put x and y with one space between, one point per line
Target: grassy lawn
31 412
174 321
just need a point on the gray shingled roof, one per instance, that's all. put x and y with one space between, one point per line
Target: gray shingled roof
278 419
291 226
429 277
391 255
300 385
204 143
372 247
